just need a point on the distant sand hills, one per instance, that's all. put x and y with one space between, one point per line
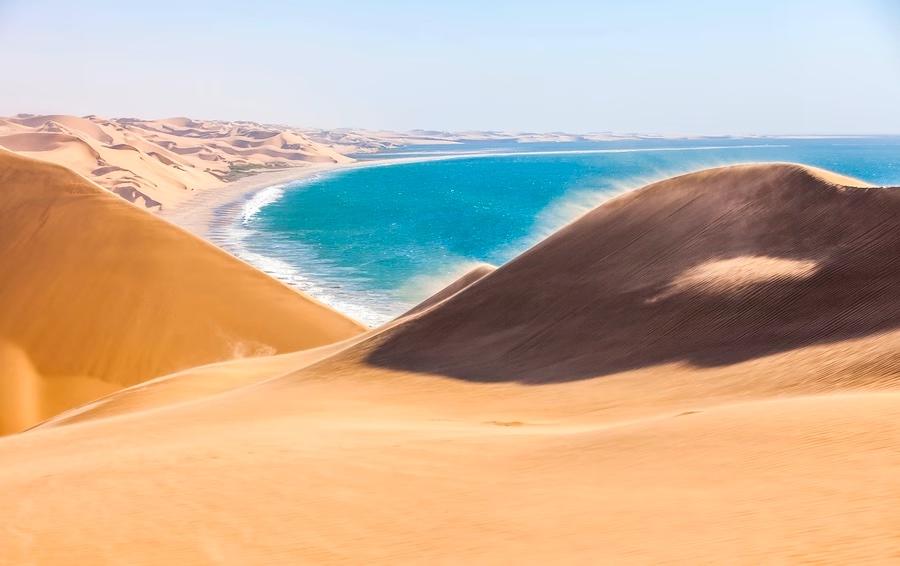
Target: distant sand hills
159 163
704 370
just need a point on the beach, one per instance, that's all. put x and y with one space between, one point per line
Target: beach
205 208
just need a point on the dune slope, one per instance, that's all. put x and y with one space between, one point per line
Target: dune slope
97 294
542 438
710 269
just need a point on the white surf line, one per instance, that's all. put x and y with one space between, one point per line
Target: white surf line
450 155
260 200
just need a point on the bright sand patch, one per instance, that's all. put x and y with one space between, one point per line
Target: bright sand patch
734 274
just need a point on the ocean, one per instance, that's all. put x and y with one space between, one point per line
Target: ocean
373 241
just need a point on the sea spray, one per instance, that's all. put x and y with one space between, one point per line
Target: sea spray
579 201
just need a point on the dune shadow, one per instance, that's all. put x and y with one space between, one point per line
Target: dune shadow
608 293
704 330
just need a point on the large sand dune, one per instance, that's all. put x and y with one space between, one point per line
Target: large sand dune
769 258
97 294
159 163
703 371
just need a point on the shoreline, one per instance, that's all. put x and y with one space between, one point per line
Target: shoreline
215 214
197 213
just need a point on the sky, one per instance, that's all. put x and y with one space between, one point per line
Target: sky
647 66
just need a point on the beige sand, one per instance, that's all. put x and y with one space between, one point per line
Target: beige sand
161 163
97 294
613 395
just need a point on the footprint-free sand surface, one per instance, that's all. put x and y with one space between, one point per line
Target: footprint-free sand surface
705 370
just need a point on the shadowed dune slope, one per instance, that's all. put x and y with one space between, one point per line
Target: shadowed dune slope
709 268
97 294
752 440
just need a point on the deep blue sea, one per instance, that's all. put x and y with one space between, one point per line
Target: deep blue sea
372 241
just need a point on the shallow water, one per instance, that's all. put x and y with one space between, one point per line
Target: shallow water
373 241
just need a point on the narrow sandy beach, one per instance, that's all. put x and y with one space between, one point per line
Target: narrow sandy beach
200 212
217 207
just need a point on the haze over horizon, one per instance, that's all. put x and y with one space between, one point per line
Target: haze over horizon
768 67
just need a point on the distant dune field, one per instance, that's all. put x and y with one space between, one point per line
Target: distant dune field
160 163
705 370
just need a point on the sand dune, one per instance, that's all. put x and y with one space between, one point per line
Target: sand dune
702 371
160 163
97 294
88 126
768 257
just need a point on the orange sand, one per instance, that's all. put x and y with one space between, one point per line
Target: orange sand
97 294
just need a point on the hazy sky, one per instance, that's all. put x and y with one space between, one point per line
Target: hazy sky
706 67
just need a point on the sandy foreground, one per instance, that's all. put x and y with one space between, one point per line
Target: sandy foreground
705 370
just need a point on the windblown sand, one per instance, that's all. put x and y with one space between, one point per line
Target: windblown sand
702 371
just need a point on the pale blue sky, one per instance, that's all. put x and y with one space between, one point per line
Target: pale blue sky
704 67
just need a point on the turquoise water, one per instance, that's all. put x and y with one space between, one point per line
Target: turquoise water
375 240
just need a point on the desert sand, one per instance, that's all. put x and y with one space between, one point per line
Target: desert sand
701 371
97 294
161 163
